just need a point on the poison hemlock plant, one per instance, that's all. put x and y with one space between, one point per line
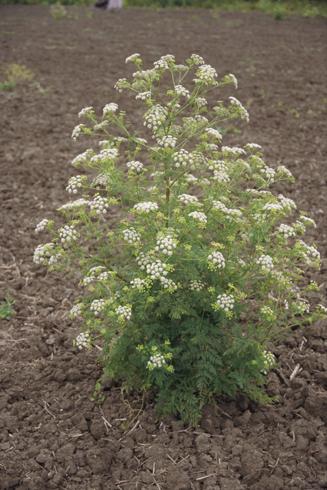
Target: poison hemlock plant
190 266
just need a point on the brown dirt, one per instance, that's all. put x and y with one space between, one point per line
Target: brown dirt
52 436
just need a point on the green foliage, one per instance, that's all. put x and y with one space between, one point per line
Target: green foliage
6 309
190 264
278 8
7 86
58 11
16 74
47 2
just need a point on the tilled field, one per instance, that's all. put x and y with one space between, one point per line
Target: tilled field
52 435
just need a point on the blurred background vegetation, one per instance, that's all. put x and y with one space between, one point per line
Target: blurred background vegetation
278 8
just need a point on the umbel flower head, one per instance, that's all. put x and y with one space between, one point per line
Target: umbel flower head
191 265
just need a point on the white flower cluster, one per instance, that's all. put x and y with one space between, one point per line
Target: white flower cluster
198 216
201 120
272 206
200 102
41 226
101 126
269 360
68 234
100 180
97 306
75 183
156 361
55 258
109 109
217 165
167 141
95 273
221 176
140 141
197 59
266 263
230 212
83 341
310 252
124 312
225 302
166 245
82 157
253 147
73 204
77 131
76 310
103 276
105 154
188 199
183 158
230 78
168 284
180 68
43 253
121 84
268 173
164 62
99 205
147 75
241 262
308 221
155 117
286 203
243 113
283 172
196 285
206 74
216 260
257 193
267 313
146 207
174 105
190 178
302 306
86 112
143 95
232 151
138 283
156 269
182 91
133 57
286 230
135 166
142 260
212 147
131 236
214 133
278 207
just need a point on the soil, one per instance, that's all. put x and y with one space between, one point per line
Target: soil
52 434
